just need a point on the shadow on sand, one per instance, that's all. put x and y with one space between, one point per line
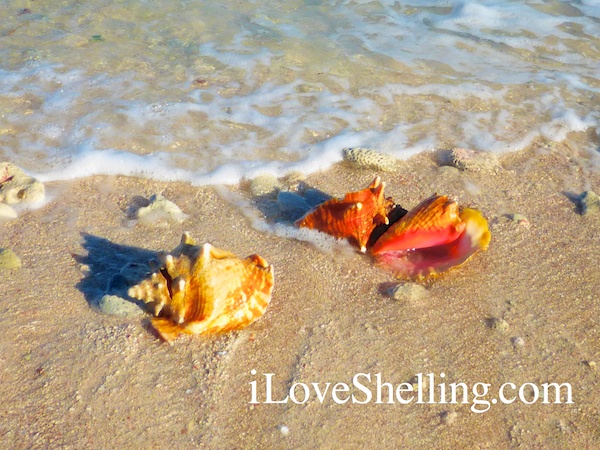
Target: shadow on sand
112 269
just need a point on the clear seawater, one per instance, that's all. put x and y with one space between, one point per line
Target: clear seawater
215 91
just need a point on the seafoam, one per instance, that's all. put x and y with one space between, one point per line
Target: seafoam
213 92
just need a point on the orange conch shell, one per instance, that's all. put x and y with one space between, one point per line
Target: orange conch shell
433 237
353 217
204 289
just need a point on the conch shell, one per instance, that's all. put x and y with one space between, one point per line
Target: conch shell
353 217
433 237
199 290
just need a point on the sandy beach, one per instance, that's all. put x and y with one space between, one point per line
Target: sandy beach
72 377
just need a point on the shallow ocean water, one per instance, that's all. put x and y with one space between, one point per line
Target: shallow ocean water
213 92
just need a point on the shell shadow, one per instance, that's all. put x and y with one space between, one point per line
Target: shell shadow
112 269
289 205
574 198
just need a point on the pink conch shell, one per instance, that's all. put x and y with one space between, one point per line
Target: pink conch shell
353 217
204 289
432 238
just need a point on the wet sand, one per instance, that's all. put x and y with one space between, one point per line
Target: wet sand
72 377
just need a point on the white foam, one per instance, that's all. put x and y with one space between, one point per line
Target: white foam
288 88
322 241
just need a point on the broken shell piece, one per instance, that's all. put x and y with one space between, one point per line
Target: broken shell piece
199 290
159 209
7 212
432 238
475 161
353 217
9 259
264 185
16 186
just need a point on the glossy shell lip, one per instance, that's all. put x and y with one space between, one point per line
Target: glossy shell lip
434 221
432 238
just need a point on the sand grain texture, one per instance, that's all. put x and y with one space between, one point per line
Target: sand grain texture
74 378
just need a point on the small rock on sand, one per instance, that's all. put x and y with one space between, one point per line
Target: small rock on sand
118 306
591 364
265 184
498 324
17 187
472 160
293 181
411 292
9 259
7 212
368 158
518 342
160 210
448 417
588 202
519 219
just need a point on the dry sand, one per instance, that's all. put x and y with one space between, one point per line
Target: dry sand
71 377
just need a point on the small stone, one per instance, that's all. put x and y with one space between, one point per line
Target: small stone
475 161
292 205
9 259
411 292
7 212
518 342
448 417
591 364
293 181
284 430
368 158
562 426
118 306
160 210
519 219
498 324
264 185
16 186
588 202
